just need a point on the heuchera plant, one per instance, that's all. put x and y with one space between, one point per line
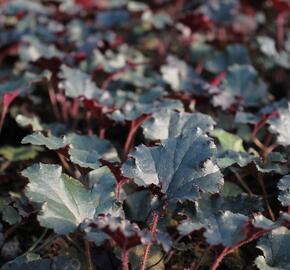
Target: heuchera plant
144 134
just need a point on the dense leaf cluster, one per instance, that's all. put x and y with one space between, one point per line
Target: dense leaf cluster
144 134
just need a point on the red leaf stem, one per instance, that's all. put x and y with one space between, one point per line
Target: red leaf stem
8 97
228 250
135 124
148 246
125 261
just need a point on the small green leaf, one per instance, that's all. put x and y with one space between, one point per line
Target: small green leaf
228 141
19 153
155 256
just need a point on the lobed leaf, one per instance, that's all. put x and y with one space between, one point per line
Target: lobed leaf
284 186
181 166
37 138
167 124
66 202
275 248
223 219
281 125
86 151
